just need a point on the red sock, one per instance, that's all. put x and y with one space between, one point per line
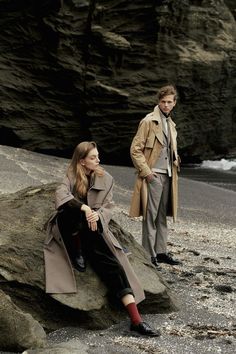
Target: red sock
133 313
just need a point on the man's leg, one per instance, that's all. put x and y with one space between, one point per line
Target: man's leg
161 225
161 220
155 191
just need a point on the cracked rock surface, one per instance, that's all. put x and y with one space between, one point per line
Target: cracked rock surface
77 70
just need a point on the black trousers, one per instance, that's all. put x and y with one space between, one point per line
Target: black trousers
72 222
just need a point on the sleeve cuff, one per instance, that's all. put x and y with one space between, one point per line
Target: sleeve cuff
74 204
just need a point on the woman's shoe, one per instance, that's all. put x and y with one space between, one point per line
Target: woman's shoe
144 329
79 263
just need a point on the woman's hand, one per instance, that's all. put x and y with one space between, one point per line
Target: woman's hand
92 220
91 217
86 209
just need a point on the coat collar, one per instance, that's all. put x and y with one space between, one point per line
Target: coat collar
98 183
158 127
156 116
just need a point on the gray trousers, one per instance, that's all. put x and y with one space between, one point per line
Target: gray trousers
154 238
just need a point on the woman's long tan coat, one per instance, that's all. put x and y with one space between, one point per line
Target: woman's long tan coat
58 269
145 150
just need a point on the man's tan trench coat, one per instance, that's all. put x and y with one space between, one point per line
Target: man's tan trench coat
58 269
145 150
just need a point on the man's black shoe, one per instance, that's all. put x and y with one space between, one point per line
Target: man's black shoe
155 263
144 329
79 263
166 258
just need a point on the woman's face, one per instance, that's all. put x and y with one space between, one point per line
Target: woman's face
91 161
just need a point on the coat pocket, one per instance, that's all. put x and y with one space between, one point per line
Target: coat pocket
150 141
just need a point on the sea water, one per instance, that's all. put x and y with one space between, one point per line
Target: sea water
221 173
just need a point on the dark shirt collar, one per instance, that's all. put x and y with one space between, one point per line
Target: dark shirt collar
165 114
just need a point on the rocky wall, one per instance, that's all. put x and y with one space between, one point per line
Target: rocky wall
73 70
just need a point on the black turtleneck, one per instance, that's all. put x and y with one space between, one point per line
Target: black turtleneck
165 114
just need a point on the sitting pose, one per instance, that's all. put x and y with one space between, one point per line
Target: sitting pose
79 230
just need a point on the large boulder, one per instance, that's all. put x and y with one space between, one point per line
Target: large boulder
18 329
22 269
69 347
79 70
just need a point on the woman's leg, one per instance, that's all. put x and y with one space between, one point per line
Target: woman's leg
131 307
69 222
105 264
108 268
137 324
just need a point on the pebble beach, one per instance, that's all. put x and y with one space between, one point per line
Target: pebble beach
203 238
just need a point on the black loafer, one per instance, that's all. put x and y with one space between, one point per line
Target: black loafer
155 263
166 258
144 329
79 263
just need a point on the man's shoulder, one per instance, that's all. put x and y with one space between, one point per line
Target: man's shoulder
154 115
148 118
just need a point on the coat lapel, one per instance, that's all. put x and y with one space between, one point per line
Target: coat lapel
158 126
98 183
173 136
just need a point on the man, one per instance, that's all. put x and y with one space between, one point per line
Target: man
154 155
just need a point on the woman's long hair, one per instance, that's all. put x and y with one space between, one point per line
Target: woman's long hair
76 171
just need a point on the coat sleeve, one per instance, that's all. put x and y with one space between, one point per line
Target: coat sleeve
137 149
63 193
105 211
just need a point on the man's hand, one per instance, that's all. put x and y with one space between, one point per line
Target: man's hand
150 177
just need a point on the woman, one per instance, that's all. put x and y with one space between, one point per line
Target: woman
80 224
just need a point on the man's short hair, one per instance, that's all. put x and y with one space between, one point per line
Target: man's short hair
165 91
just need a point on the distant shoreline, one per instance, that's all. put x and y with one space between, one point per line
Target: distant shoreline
16 160
221 178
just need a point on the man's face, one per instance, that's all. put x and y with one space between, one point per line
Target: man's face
167 103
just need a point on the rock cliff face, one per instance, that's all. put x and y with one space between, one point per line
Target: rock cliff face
76 70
